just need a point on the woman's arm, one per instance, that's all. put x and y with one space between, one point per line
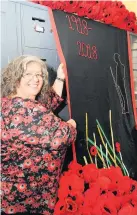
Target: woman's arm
59 82
55 92
53 97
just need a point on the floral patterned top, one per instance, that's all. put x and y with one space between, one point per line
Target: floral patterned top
34 142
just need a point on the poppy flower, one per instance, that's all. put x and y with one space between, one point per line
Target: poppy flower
50 184
32 140
72 182
52 203
117 145
33 184
70 6
40 129
22 137
37 159
60 208
6 191
52 165
127 210
4 203
56 143
21 187
29 201
21 209
34 168
10 197
11 210
21 110
17 119
90 173
91 195
27 163
76 168
7 120
5 135
124 186
93 151
71 205
47 157
104 182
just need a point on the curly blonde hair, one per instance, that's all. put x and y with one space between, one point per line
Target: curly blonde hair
12 75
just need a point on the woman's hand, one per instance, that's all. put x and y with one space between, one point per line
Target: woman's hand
72 122
60 72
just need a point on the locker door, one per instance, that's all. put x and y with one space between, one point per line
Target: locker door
36 28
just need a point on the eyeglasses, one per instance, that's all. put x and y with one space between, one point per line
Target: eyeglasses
29 76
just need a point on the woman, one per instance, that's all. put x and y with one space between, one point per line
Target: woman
34 140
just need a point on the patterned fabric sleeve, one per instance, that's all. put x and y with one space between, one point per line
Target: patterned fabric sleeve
53 100
66 132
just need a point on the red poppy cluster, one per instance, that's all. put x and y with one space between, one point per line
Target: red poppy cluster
87 190
110 12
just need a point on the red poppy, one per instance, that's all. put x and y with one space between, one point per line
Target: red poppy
16 119
33 184
4 204
118 149
21 187
70 6
72 182
30 201
7 120
52 203
40 130
23 137
128 209
11 210
90 173
60 208
91 195
52 165
47 157
27 163
33 140
15 132
37 159
76 168
5 135
104 182
93 151
71 205
11 198
57 142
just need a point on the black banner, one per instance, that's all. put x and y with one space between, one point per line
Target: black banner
97 62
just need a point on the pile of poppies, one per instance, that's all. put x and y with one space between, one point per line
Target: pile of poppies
87 190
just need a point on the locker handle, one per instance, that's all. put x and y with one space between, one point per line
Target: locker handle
44 60
38 19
